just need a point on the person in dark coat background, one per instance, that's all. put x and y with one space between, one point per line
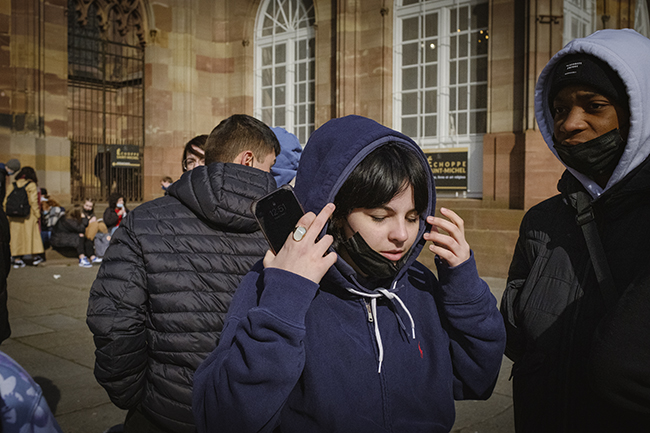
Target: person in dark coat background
161 295
11 167
115 212
583 254
70 232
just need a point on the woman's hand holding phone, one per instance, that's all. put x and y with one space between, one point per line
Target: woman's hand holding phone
452 248
307 257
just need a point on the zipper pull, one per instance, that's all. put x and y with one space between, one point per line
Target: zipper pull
370 318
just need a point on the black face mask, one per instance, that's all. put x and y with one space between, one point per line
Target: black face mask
595 157
369 261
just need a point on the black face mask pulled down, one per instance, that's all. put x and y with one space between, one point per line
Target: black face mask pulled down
369 261
595 157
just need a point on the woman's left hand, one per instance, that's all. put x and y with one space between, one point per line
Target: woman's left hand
452 248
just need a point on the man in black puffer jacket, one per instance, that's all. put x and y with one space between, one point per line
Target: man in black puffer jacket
161 295
575 306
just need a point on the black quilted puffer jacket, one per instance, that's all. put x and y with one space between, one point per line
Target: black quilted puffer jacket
159 302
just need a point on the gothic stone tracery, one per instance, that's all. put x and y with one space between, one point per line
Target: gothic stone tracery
127 14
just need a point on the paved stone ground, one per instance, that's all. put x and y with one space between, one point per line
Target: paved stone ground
50 339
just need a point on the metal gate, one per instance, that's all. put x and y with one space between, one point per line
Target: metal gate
105 109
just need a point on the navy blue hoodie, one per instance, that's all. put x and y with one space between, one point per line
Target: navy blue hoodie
296 356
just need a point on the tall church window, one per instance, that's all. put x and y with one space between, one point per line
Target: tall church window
284 66
579 18
440 87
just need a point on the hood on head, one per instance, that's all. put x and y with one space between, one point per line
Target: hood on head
286 163
332 153
628 54
222 194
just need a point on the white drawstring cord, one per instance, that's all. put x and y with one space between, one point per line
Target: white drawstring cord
373 305
391 295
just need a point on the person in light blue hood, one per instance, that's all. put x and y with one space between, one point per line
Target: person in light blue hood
286 164
578 292
343 330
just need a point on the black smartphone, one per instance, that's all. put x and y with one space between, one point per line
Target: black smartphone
277 214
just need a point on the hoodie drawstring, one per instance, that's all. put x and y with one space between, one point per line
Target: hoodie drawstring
373 305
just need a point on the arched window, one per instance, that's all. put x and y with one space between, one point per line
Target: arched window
440 85
284 66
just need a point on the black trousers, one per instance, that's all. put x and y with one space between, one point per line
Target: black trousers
85 247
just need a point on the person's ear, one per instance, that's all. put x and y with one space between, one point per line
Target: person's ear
245 158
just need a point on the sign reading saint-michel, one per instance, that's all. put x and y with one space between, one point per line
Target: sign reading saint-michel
449 169
125 155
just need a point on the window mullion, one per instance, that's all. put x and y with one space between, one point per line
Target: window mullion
443 77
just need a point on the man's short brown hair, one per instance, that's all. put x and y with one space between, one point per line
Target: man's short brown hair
237 134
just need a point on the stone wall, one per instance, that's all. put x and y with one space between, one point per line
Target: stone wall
33 89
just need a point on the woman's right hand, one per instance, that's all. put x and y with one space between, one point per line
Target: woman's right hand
306 257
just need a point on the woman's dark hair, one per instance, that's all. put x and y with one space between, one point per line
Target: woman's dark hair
113 198
27 173
189 149
382 175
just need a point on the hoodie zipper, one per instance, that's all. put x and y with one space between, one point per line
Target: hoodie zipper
369 309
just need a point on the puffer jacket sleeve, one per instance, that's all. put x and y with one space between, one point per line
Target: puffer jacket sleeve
116 317
243 385
475 327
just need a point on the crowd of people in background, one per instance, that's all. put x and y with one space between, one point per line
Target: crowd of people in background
37 221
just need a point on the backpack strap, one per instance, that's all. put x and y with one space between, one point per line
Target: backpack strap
586 220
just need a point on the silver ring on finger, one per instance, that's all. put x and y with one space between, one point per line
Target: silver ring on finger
299 233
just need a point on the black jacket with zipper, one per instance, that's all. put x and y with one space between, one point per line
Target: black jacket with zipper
552 305
161 295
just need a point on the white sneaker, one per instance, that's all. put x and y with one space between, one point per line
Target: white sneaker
18 263
97 260
84 263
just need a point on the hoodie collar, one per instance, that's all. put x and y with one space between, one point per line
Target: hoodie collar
222 194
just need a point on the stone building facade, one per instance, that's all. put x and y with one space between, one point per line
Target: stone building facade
456 75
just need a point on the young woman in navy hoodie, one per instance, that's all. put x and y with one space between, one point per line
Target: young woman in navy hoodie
343 330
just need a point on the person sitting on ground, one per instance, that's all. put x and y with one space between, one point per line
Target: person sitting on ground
194 153
70 232
115 212
94 225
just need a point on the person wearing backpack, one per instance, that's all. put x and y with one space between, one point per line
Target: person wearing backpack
25 230
6 170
